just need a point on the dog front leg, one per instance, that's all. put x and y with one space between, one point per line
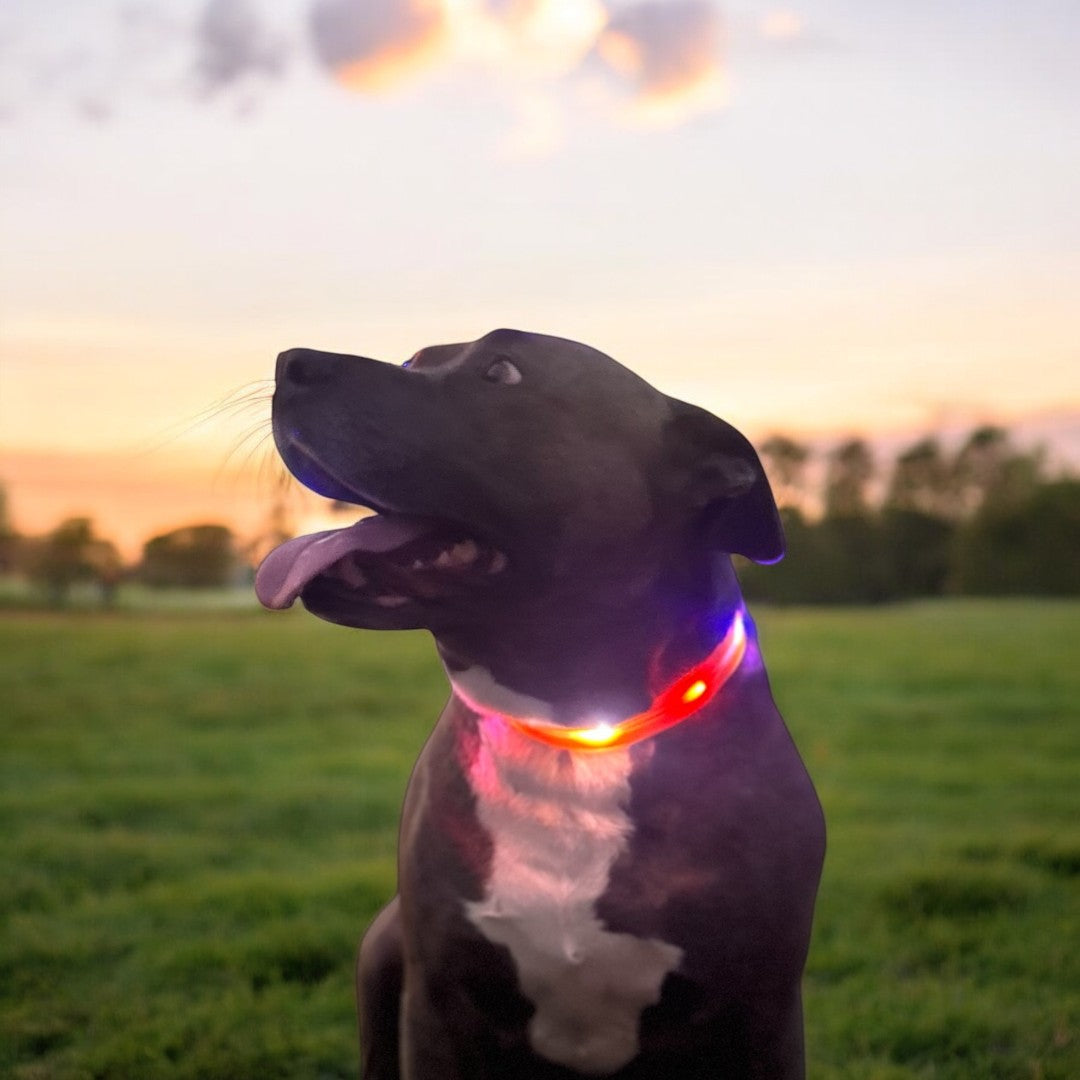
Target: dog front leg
426 1046
379 980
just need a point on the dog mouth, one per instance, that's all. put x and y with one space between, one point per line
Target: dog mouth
383 561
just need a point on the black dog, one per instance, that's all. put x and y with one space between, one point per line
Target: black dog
610 849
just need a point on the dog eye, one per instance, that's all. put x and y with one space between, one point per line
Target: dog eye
502 371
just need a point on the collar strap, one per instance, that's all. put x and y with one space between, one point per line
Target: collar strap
684 697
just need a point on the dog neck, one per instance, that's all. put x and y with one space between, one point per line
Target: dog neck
592 668
684 697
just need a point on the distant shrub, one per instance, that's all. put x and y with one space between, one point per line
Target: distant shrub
197 556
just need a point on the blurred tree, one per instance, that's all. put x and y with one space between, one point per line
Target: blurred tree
9 538
988 468
197 556
922 482
785 463
986 521
847 563
72 553
108 569
1024 545
1017 480
848 475
917 522
977 464
848 566
1001 547
917 553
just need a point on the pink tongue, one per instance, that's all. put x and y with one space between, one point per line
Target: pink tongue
283 574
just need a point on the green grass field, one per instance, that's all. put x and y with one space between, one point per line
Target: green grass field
198 816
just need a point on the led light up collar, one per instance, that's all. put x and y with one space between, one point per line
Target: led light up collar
688 693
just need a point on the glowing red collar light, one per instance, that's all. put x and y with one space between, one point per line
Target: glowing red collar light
690 692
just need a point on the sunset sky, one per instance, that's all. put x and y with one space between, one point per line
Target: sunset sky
830 218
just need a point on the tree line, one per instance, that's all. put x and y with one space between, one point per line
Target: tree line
73 554
986 519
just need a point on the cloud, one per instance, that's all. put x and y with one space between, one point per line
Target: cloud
663 47
369 44
661 58
668 54
527 52
554 64
100 67
530 53
231 44
536 38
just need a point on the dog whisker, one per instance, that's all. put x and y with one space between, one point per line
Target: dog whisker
249 397
238 459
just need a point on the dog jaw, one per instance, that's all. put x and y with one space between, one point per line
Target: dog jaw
384 564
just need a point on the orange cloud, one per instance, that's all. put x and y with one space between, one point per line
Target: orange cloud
531 38
371 44
669 54
663 56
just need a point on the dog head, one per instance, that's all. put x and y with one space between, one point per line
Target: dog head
518 465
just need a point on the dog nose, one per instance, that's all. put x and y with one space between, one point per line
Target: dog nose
304 367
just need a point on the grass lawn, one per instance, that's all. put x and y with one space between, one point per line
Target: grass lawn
198 815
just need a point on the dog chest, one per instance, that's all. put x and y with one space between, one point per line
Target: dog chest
557 823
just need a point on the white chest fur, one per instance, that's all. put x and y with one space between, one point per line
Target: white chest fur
558 822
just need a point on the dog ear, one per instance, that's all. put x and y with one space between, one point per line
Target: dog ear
725 481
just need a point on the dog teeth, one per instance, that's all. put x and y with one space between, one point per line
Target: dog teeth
461 554
464 553
391 600
498 563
